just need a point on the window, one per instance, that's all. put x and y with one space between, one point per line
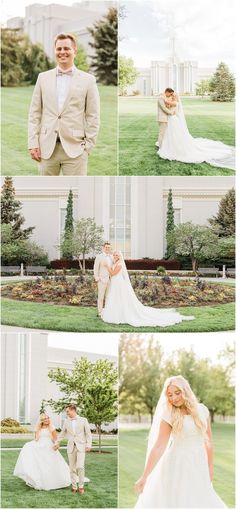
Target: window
177 216
120 214
22 377
62 220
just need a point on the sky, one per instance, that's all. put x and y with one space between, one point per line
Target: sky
205 345
204 31
101 343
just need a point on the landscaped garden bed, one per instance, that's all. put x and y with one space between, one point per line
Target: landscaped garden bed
151 291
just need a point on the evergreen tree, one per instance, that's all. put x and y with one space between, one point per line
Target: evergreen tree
224 221
222 84
105 34
10 211
68 230
34 60
170 225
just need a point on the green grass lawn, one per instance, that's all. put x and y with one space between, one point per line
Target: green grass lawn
100 492
15 158
138 130
84 319
132 451
19 442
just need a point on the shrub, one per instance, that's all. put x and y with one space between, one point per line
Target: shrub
9 422
140 264
161 269
13 429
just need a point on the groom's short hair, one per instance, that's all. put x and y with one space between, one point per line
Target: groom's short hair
71 406
170 90
106 244
62 36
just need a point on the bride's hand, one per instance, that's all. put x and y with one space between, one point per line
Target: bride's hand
139 485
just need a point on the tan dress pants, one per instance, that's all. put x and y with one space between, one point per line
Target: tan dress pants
162 130
59 162
102 292
76 464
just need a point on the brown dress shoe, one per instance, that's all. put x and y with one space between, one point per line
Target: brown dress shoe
81 491
74 490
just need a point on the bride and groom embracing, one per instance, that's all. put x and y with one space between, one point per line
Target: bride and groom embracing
121 305
175 142
41 465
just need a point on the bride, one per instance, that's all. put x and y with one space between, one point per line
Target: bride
179 145
38 464
179 466
122 305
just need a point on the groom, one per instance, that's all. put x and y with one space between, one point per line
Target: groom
64 114
79 436
162 114
101 274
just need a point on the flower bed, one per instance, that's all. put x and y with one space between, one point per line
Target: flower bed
151 290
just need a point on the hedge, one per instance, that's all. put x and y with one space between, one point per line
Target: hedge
140 264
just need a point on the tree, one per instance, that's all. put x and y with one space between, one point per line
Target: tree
203 88
227 247
224 222
197 241
127 73
218 393
81 59
34 60
20 250
170 224
11 57
140 371
68 229
22 61
222 85
92 386
105 35
10 212
87 239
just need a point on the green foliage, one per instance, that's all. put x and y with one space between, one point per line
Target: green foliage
9 425
224 222
68 230
86 239
91 386
197 241
20 250
222 84
104 33
203 88
143 370
170 225
127 73
81 59
10 211
22 61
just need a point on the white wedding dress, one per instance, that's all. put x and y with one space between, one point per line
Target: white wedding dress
122 306
181 477
179 145
40 466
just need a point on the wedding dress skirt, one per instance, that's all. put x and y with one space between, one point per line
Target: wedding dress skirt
122 306
40 466
179 145
181 477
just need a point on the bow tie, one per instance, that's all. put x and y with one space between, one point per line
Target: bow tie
67 73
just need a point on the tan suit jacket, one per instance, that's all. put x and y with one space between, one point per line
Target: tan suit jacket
77 124
100 270
82 437
162 110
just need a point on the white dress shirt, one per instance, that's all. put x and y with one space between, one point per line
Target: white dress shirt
108 260
73 424
63 86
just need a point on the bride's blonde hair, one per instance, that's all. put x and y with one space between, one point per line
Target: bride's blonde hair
39 424
118 254
190 402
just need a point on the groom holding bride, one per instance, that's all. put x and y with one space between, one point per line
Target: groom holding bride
121 305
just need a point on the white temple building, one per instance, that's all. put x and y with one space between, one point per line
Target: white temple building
132 210
43 22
